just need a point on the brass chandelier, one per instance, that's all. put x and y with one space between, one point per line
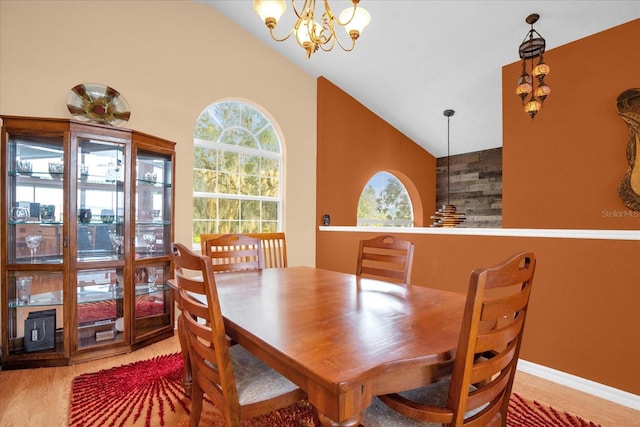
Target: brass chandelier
447 215
532 47
310 34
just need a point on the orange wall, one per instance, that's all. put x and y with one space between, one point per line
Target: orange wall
584 315
562 170
354 144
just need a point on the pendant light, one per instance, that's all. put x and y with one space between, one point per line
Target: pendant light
447 215
532 83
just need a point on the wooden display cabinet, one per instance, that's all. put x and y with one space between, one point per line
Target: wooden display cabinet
87 226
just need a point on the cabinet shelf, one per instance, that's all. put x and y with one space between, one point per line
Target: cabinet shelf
39 300
101 199
152 184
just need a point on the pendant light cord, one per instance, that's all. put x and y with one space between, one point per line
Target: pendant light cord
448 157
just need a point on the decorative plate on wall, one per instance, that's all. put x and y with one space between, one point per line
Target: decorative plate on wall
97 103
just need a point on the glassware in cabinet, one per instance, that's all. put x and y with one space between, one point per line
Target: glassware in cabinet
100 201
34 295
35 198
153 198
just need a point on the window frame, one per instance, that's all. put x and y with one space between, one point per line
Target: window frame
386 223
256 151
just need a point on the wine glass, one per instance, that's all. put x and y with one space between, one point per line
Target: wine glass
24 289
116 242
149 240
33 241
152 278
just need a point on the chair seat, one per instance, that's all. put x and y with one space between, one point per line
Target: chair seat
255 380
380 415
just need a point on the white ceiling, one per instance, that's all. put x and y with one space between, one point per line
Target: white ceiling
418 58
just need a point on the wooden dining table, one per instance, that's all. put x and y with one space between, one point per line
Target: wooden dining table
341 338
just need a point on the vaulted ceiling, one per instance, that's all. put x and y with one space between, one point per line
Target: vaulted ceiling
418 58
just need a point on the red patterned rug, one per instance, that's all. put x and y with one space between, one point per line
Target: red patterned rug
149 393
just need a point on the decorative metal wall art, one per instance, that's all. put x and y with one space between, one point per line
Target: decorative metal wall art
628 106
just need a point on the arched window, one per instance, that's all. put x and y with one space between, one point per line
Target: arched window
385 202
237 184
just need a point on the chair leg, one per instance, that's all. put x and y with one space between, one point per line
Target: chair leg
197 396
187 379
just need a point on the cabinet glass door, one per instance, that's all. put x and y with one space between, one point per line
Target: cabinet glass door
153 227
100 308
34 245
36 317
100 201
153 304
153 205
35 198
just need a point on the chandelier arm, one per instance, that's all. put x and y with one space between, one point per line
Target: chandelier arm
273 36
353 13
329 21
327 26
353 43
305 6
330 46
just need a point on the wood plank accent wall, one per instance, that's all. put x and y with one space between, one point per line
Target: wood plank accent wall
475 186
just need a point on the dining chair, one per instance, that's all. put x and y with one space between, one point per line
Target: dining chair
478 390
386 258
274 247
240 385
231 252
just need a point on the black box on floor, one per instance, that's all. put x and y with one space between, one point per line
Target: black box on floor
40 330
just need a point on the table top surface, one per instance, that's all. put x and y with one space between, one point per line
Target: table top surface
336 329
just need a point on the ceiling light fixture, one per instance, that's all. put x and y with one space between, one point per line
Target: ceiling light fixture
447 216
532 47
310 34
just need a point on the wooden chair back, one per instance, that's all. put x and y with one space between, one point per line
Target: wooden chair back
386 258
231 252
201 321
274 247
488 348
232 378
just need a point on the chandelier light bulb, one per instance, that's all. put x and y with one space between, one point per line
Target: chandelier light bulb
354 21
541 69
524 86
532 107
270 11
542 92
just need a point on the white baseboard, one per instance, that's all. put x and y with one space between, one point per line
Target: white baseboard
584 385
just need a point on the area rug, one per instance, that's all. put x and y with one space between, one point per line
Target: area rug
149 393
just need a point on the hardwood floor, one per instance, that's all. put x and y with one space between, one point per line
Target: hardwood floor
583 405
40 397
